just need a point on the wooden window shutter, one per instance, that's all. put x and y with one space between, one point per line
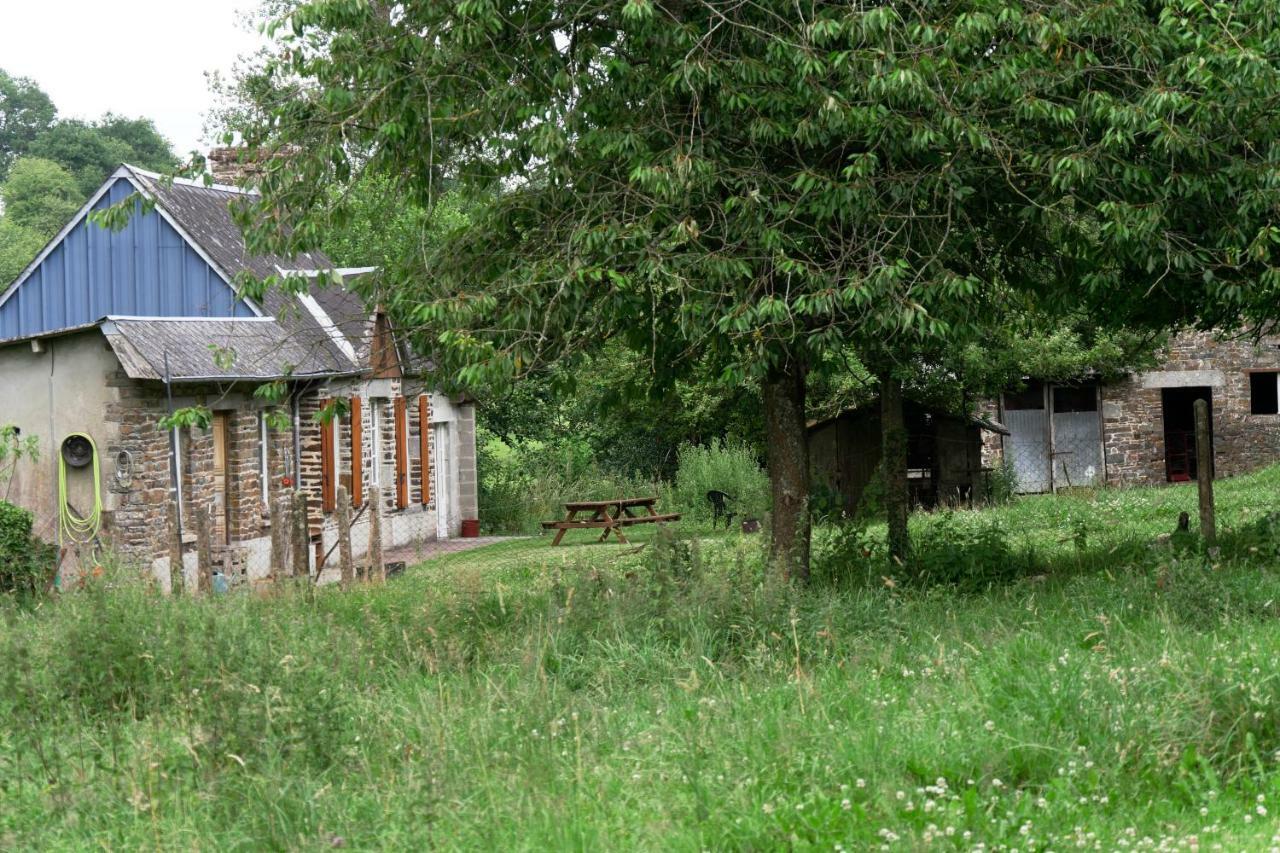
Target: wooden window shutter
328 476
357 452
424 446
402 454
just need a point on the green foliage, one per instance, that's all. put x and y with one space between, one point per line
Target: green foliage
40 195
18 247
25 113
726 466
524 483
188 417
754 191
967 557
26 563
91 151
999 485
13 450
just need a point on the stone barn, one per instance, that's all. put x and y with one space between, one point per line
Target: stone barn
106 332
1139 430
944 455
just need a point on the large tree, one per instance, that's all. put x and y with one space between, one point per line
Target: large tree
25 113
91 151
758 186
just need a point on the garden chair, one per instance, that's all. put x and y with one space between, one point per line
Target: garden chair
719 508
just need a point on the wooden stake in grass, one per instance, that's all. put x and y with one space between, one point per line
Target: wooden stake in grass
1204 471
204 551
281 525
177 583
301 536
344 537
377 570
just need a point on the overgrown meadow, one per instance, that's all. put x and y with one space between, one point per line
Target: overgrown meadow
1095 690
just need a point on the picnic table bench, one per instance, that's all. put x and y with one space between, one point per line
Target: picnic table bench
609 516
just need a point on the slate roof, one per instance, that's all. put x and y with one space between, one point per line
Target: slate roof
256 348
342 326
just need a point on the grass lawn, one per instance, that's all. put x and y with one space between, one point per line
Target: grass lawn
677 697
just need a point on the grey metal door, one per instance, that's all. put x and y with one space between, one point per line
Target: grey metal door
1077 436
1027 447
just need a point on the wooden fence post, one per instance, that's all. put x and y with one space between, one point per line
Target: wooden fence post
177 583
204 552
281 530
1204 471
301 536
344 537
377 571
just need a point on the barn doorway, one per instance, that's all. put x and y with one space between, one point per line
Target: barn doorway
1055 436
1180 430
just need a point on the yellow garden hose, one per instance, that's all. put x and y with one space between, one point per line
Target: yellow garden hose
72 527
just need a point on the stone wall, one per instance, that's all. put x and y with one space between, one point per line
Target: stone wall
1133 412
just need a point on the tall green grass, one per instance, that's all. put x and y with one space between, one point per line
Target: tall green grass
678 698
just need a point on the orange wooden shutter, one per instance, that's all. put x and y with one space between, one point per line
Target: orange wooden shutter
357 452
424 447
328 477
402 453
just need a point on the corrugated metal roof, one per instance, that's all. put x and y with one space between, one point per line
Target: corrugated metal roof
215 349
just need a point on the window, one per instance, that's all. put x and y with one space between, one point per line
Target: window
1032 397
1264 398
1081 398
375 441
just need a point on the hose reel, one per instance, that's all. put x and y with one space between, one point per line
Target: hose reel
78 451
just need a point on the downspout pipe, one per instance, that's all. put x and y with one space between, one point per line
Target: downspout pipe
175 486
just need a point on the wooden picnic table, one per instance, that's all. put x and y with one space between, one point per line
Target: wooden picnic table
610 516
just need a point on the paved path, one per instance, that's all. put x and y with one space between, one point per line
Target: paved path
420 551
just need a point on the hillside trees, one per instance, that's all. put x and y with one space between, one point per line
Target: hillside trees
755 188
25 112
50 167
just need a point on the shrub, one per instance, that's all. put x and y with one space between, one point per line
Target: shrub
26 563
727 466
970 557
999 485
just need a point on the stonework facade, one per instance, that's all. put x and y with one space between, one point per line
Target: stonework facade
1145 422
1133 410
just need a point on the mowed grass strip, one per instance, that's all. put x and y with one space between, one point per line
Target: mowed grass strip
674 698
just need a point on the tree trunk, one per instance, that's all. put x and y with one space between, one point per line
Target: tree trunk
893 462
784 391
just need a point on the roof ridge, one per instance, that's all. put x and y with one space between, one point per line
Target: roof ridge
189 182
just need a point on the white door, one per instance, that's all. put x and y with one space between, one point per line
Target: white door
443 460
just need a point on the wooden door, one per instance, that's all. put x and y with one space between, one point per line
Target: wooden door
221 498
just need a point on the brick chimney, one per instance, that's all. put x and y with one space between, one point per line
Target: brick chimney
233 166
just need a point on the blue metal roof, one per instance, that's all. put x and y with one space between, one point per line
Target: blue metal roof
87 272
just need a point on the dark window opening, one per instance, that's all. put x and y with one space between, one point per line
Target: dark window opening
1263 396
1082 398
1031 397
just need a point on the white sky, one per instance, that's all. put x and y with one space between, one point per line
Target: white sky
133 57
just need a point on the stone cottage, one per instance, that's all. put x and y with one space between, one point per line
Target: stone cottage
1140 430
106 332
